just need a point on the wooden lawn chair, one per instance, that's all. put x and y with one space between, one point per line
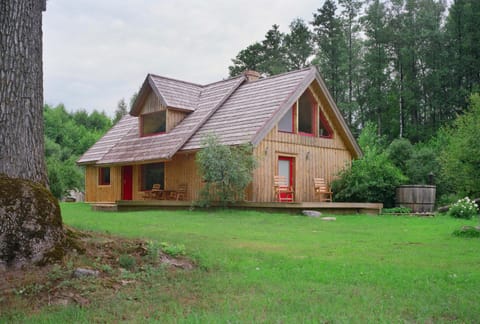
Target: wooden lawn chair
283 192
180 193
154 193
322 189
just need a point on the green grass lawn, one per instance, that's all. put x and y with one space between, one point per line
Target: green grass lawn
259 267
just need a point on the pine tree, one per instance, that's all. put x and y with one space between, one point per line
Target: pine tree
250 58
298 45
120 111
331 46
375 66
274 61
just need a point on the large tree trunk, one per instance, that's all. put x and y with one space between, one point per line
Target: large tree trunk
31 229
21 90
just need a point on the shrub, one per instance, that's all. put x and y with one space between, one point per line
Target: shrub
372 178
460 158
226 171
464 208
399 152
126 261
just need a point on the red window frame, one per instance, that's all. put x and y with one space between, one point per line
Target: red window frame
313 106
325 124
318 118
103 180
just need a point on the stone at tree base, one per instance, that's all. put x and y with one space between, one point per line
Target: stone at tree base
311 213
31 230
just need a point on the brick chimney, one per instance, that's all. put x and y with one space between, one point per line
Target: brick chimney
251 75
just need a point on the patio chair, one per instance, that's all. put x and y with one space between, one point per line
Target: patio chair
283 192
180 193
154 193
322 189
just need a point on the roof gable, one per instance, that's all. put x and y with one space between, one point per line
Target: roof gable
313 77
170 92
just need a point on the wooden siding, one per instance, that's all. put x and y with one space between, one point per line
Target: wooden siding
314 157
97 193
174 117
180 170
152 104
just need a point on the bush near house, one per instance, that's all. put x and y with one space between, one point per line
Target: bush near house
372 178
226 170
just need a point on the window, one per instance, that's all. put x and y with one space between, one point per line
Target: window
324 129
152 174
154 123
286 123
104 176
306 114
306 118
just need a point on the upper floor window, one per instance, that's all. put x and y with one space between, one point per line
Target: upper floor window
306 118
104 176
306 114
286 123
154 123
324 129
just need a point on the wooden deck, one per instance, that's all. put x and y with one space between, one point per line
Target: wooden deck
293 208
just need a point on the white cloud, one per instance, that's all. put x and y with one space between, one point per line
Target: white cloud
96 52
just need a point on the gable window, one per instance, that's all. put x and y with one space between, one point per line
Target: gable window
306 114
152 174
324 129
104 176
286 123
154 123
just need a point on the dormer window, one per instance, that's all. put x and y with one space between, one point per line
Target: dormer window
154 123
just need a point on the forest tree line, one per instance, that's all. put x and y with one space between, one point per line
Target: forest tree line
409 66
67 136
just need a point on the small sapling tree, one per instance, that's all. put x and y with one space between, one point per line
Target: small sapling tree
226 171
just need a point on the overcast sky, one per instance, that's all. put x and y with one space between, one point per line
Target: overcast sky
99 51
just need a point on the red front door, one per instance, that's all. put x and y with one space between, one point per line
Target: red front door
127 182
285 168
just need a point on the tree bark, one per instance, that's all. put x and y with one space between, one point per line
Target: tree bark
21 90
31 230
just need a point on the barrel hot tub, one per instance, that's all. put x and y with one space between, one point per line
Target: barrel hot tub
419 198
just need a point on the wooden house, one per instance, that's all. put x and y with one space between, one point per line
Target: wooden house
290 119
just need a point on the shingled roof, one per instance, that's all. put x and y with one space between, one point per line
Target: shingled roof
235 110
